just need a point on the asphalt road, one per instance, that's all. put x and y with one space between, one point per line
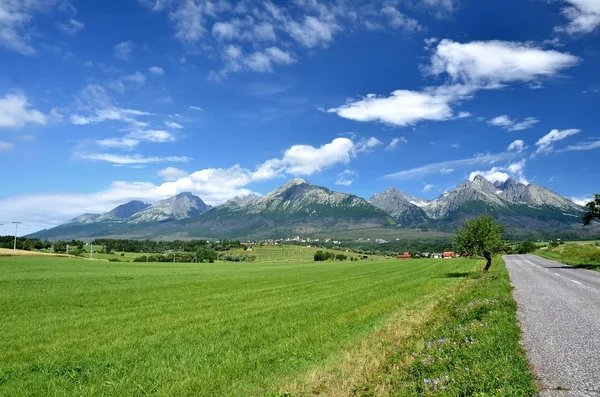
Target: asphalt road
559 313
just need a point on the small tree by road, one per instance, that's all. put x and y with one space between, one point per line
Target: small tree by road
593 210
480 236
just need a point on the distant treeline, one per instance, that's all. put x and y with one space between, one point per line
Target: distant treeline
24 243
201 255
161 247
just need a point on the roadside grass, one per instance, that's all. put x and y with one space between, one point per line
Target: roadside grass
78 327
468 345
584 256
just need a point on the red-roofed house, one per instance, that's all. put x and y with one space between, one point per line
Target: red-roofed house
406 255
447 255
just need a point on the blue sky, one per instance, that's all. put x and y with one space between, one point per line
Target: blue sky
104 102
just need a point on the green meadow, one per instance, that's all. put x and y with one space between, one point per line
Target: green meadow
71 326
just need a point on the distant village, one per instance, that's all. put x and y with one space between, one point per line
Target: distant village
315 242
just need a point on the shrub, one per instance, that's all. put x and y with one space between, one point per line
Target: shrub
526 247
341 257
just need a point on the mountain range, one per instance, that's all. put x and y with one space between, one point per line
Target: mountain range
298 207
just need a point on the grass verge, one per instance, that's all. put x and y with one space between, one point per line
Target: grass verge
469 346
579 255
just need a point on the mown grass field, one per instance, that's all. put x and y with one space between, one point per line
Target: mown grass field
79 327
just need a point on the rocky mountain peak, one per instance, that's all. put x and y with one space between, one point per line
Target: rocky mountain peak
123 211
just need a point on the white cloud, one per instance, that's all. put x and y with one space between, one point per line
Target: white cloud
171 174
6 146
213 185
174 125
71 27
365 145
264 32
512 125
16 21
196 108
446 167
279 56
95 106
517 146
225 30
123 50
158 136
403 107
471 67
501 174
545 144
428 187
493 63
582 200
156 70
583 16
122 143
313 32
399 20
16 112
259 61
394 143
589 145
137 78
130 159
346 178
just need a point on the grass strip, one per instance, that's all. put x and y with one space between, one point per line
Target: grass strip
468 347
577 255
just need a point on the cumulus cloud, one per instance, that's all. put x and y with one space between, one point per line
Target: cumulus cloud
346 178
471 67
493 63
583 16
428 187
171 174
16 112
501 174
404 107
582 200
213 185
545 144
512 125
517 146
157 71
123 50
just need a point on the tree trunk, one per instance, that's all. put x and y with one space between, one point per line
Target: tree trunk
488 264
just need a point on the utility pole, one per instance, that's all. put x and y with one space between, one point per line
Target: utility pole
91 250
16 228
67 249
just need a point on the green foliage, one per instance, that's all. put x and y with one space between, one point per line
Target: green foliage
59 246
526 247
341 257
480 236
593 210
321 256
553 244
